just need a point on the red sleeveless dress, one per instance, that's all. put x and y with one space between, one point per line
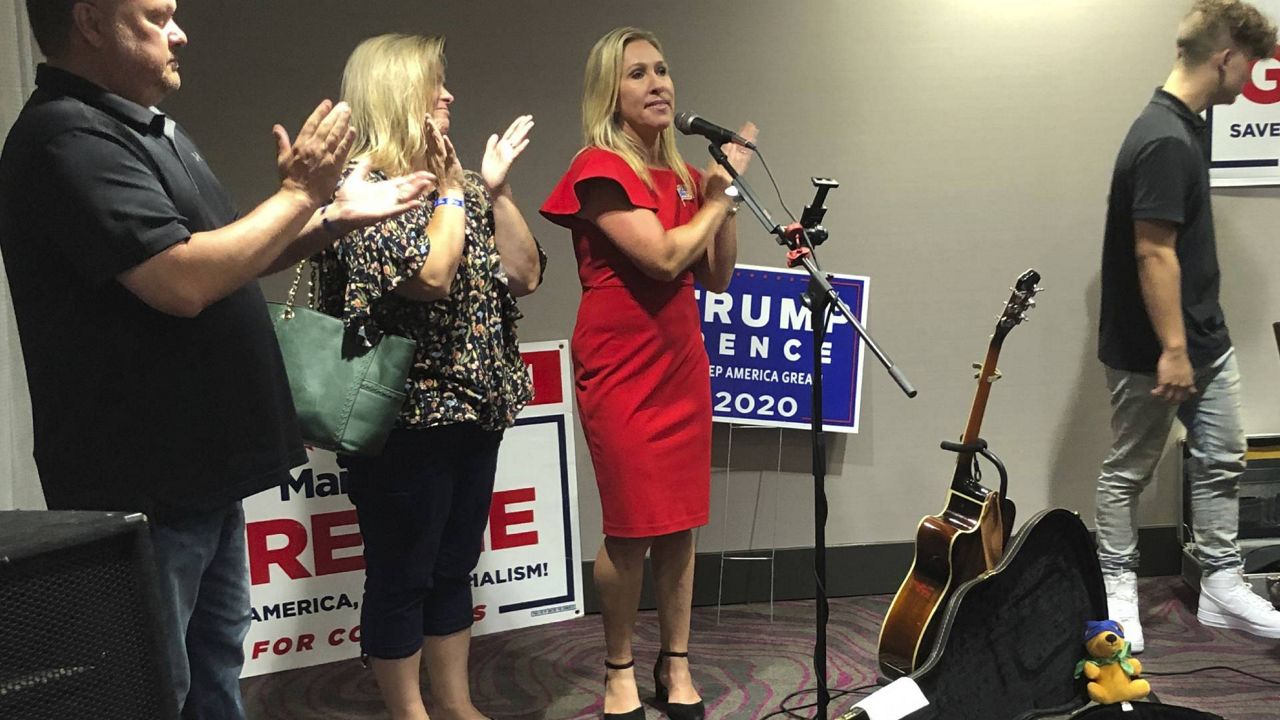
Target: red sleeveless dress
641 373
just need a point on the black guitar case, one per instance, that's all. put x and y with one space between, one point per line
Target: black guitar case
1010 639
1143 711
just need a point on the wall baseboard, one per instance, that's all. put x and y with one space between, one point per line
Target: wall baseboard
851 570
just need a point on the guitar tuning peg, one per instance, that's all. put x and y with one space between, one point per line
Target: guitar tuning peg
995 374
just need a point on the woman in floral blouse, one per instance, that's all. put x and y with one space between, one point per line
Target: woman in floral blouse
446 275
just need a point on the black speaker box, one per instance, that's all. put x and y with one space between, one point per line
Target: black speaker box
80 619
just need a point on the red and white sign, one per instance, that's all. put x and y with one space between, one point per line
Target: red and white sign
306 569
1246 134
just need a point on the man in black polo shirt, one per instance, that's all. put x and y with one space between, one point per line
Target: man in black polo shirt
156 382
1162 334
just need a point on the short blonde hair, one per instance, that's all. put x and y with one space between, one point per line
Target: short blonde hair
601 126
392 83
1211 24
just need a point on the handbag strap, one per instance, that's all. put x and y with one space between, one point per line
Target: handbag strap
293 289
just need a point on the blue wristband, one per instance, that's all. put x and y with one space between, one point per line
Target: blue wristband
456 202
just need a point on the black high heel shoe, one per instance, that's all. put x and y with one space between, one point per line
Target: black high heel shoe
675 711
638 713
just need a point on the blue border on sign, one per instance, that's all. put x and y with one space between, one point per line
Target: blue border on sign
571 594
1244 163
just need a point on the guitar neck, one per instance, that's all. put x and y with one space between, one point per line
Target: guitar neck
973 429
986 376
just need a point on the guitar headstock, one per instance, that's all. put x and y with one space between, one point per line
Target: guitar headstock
1021 300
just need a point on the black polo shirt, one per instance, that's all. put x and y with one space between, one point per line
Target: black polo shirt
1161 173
133 409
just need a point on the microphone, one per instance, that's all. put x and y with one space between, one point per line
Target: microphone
691 124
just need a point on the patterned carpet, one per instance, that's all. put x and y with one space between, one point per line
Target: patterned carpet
745 664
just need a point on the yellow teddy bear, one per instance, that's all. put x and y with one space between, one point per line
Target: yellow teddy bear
1112 672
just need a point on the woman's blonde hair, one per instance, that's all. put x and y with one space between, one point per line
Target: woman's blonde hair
392 83
601 125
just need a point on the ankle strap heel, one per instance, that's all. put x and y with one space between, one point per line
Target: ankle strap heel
660 689
674 711
636 714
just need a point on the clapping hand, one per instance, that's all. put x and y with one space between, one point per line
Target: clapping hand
501 152
360 202
442 159
313 162
740 157
717 178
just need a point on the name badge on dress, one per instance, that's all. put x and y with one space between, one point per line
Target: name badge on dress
683 192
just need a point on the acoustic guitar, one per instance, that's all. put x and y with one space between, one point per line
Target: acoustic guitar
968 537
1009 640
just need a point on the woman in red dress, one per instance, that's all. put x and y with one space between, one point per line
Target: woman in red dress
644 225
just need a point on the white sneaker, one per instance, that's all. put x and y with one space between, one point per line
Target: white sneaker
1228 601
1122 606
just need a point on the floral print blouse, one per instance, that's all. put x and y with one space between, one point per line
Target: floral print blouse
467 367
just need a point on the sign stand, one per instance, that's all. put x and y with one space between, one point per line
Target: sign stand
751 554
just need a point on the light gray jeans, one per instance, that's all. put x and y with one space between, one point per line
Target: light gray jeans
1140 425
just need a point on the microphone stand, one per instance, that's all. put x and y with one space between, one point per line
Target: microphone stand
821 299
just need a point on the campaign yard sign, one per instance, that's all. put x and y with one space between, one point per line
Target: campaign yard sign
306 569
1245 135
759 341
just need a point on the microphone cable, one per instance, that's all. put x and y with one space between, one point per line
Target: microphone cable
791 712
776 189
1209 668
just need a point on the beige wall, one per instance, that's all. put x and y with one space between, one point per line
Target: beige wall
972 140
19 483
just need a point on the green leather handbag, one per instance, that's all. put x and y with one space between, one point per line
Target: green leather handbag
347 396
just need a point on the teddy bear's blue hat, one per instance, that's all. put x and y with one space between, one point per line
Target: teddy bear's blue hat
1096 627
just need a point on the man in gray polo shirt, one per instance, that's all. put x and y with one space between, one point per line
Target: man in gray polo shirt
1162 335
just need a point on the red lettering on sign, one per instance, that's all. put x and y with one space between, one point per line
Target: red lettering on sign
1269 95
258 536
326 542
336 637
500 520
261 557
544 368
284 645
